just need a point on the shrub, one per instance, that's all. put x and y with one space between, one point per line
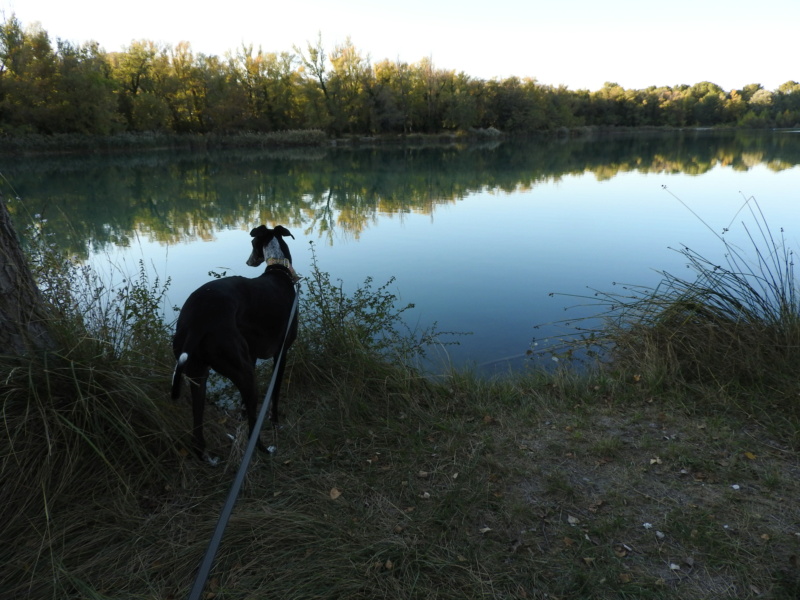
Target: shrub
363 331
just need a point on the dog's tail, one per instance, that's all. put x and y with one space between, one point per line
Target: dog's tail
176 375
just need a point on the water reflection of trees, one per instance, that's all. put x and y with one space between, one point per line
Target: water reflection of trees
93 202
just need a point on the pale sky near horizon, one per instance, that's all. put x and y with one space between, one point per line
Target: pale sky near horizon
578 43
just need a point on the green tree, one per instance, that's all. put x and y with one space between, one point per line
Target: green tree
132 70
462 108
315 100
269 82
27 86
225 105
787 104
84 90
183 91
708 102
349 86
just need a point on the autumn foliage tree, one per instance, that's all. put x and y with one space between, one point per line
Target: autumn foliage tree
59 87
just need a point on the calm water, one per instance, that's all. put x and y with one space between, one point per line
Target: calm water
477 238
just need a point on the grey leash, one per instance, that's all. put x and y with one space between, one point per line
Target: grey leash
225 515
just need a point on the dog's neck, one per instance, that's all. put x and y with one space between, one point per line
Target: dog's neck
283 265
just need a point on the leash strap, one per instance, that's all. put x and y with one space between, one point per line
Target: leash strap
225 515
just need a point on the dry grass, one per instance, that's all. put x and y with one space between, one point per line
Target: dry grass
536 488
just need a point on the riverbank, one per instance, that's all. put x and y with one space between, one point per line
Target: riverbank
35 144
606 485
662 474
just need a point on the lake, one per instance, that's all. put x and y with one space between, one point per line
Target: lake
478 237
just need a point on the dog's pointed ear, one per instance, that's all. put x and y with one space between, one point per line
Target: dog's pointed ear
261 230
282 231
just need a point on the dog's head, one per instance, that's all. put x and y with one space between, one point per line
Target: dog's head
269 244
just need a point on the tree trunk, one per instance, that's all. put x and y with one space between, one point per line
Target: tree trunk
23 315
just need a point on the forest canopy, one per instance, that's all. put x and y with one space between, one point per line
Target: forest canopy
61 87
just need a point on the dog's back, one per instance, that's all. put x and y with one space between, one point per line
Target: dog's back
225 309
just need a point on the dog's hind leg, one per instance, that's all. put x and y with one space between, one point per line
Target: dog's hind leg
198 378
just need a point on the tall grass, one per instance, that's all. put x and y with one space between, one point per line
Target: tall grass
84 426
732 320
737 320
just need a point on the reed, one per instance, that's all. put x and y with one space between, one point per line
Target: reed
736 320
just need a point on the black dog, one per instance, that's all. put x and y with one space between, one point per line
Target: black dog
229 323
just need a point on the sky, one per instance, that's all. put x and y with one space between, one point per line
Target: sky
577 43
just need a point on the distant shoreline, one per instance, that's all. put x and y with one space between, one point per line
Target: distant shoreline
83 144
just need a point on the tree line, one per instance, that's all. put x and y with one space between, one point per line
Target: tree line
48 88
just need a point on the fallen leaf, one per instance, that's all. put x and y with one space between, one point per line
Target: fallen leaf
335 493
573 520
674 567
750 455
655 461
484 530
625 577
597 506
423 474
388 565
588 561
